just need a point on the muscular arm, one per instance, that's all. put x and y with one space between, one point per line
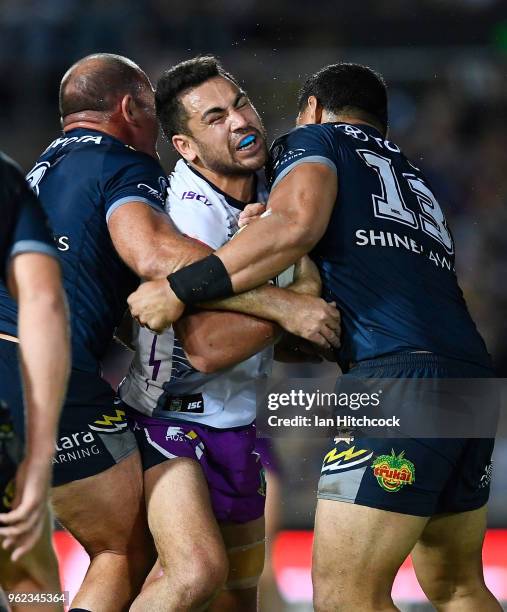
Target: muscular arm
44 347
34 280
149 243
152 247
301 206
215 340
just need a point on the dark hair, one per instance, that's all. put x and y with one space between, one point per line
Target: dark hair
349 87
174 82
97 81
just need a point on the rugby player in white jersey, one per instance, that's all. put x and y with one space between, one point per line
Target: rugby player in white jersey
191 390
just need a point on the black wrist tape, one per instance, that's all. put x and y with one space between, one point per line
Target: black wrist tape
202 281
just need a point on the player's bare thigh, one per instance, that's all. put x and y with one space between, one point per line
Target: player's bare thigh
106 514
196 555
102 511
188 540
354 541
179 508
187 536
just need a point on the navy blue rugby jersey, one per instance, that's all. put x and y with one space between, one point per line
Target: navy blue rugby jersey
81 179
387 256
24 227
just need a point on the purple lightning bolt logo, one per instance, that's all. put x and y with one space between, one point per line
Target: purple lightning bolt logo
154 362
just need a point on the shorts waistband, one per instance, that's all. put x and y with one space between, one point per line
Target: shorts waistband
414 359
163 420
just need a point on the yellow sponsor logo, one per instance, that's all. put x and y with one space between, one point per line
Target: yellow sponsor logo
110 423
346 455
111 420
346 459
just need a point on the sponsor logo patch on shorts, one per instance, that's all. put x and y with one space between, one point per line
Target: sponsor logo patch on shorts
341 459
175 434
110 424
393 471
485 480
75 446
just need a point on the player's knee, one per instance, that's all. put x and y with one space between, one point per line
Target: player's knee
140 562
38 569
116 548
33 576
207 577
134 564
203 574
446 590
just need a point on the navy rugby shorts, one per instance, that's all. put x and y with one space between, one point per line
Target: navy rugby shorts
93 434
417 476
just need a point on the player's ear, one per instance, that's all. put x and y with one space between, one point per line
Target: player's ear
128 109
312 113
314 110
184 146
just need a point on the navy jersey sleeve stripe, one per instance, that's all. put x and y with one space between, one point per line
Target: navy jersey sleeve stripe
309 143
132 176
312 159
33 246
127 200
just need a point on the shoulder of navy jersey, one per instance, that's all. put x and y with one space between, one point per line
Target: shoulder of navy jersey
126 175
25 225
305 144
133 176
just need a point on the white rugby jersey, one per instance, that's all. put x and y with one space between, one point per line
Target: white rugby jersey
161 382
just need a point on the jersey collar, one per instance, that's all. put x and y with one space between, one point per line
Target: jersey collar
229 199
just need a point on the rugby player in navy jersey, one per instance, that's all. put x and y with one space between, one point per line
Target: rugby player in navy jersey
386 256
33 376
103 190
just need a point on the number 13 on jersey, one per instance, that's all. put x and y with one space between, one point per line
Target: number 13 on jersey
391 205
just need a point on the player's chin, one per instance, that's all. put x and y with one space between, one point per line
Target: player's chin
253 160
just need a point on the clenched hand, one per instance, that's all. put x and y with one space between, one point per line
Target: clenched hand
313 319
154 305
